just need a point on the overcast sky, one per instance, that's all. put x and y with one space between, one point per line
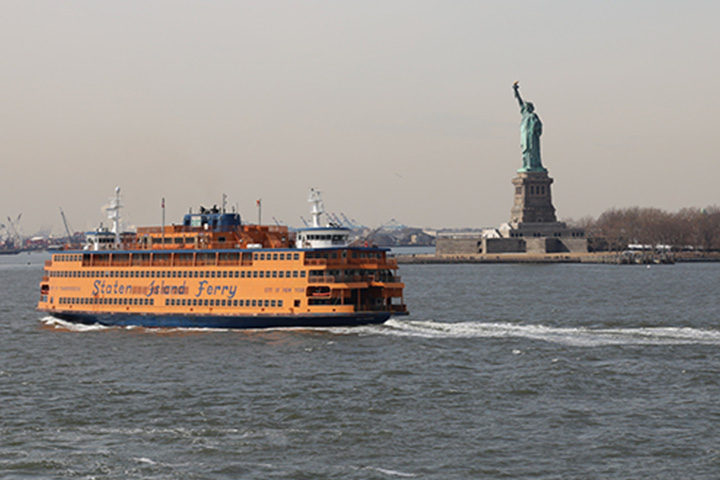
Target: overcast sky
393 109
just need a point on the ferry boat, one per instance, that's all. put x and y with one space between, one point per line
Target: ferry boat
214 271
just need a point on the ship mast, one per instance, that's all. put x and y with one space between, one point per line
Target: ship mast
317 207
113 212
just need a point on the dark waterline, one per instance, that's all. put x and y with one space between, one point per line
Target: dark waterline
500 371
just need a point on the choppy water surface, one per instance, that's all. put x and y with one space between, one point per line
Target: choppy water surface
501 371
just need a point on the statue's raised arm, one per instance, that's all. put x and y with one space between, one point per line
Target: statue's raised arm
516 87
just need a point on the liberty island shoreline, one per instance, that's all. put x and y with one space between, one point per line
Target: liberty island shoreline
619 258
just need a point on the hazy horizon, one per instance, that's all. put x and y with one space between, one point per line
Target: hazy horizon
400 109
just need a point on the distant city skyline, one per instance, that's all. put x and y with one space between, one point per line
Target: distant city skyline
394 110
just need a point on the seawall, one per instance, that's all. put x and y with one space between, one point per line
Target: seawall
601 257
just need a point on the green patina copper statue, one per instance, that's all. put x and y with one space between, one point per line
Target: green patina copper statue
530 131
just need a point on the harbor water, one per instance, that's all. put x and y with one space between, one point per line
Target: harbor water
500 371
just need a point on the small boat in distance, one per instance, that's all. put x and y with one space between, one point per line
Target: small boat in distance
213 271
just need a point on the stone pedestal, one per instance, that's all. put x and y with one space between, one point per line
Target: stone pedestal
533 227
532 218
533 199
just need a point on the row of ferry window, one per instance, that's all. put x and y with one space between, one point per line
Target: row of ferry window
67 258
180 274
276 256
106 301
256 256
334 254
211 302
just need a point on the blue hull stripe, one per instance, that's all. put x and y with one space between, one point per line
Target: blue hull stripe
223 321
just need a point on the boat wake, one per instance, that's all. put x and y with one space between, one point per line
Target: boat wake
582 337
57 324
579 336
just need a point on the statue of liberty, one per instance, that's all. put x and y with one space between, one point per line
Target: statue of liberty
530 131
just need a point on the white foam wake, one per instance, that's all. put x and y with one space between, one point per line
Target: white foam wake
575 336
579 336
53 322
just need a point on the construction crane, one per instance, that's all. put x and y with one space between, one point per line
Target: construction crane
68 230
14 227
350 223
334 220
